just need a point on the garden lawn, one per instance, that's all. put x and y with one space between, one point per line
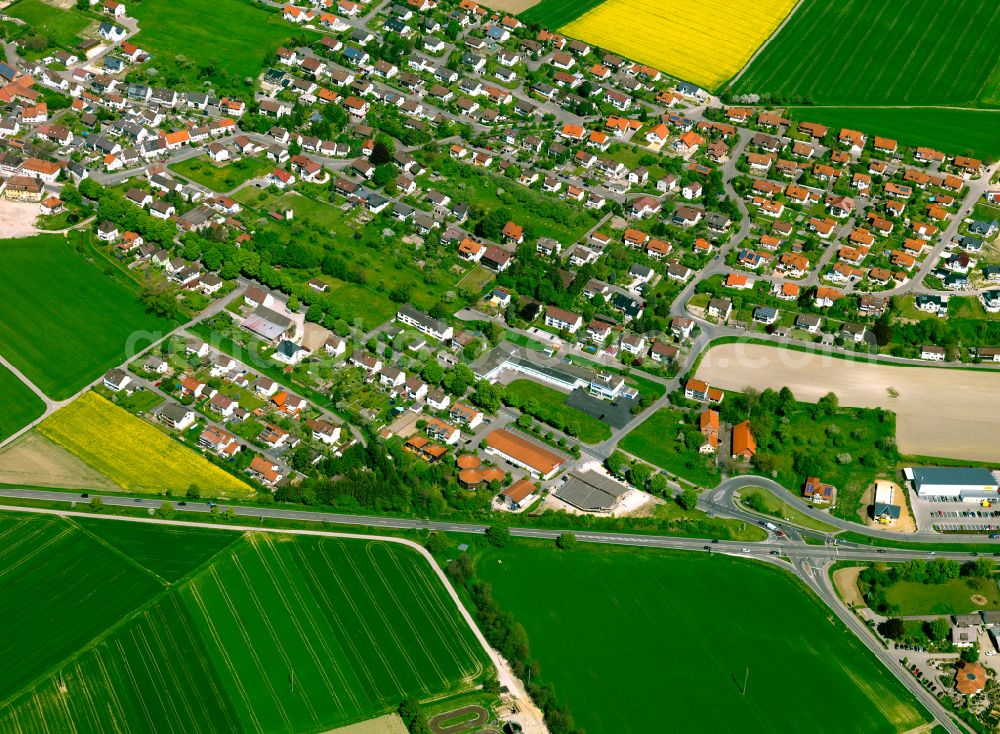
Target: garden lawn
19 405
552 404
132 453
232 37
667 654
902 53
952 597
956 132
61 26
221 178
66 322
655 441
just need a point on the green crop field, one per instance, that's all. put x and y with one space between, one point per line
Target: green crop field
551 403
903 53
171 552
221 178
201 36
66 322
126 627
958 132
668 660
18 404
58 590
553 14
655 441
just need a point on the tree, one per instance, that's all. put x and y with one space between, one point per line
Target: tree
487 396
524 421
380 154
658 483
615 462
165 511
893 628
566 541
413 717
970 654
688 499
159 296
432 372
939 628
459 569
96 504
829 403
638 474
498 535
194 492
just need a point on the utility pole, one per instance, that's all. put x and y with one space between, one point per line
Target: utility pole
746 678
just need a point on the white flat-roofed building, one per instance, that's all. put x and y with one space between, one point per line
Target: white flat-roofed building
967 483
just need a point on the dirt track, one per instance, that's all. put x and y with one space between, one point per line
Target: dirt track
940 412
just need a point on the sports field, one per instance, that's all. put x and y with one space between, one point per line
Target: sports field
202 34
853 52
66 322
18 404
262 633
631 640
953 131
700 41
132 453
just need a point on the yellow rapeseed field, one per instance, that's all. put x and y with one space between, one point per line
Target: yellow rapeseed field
701 41
132 453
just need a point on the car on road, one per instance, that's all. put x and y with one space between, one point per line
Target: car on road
715 541
973 554
84 495
708 547
775 553
880 550
744 550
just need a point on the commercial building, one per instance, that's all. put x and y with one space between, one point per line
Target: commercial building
569 377
591 492
966 483
539 462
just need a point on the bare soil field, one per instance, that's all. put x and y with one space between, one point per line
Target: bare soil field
846 581
939 412
34 460
17 219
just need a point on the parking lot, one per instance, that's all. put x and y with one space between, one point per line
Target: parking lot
950 514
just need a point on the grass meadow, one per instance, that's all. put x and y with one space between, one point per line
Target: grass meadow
203 34
952 597
252 632
854 52
551 402
700 41
61 26
953 131
66 322
222 178
18 404
132 453
654 440
651 621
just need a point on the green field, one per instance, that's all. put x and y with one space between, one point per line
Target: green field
974 132
171 552
952 597
550 404
66 322
221 178
202 35
234 632
655 441
61 27
903 53
669 661
553 14
18 404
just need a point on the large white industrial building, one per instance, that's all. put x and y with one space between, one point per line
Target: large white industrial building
966 483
